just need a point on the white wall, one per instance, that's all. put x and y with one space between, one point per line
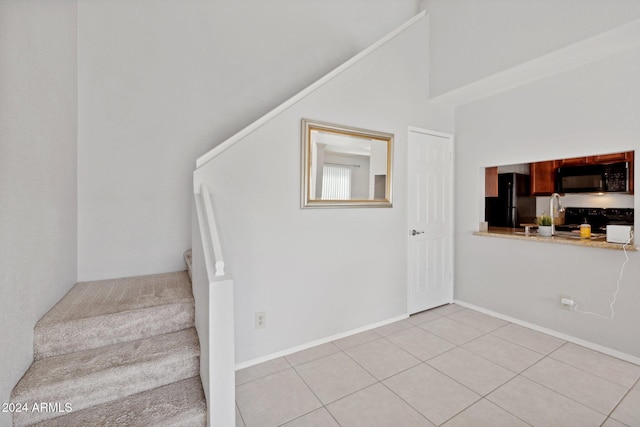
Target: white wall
319 272
473 39
594 108
37 173
163 81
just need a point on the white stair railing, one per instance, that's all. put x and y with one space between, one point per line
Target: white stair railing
213 293
213 231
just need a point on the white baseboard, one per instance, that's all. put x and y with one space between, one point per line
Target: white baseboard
325 340
606 350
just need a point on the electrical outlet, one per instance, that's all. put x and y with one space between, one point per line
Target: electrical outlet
566 302
261 319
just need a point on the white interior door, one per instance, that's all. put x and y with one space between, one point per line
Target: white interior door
430 219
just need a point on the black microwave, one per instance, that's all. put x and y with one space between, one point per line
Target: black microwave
610 178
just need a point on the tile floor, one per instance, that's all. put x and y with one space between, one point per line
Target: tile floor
450 367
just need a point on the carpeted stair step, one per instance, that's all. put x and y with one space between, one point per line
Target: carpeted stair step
92 377
98 313
180 404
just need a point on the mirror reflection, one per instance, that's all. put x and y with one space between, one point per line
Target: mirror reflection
345 166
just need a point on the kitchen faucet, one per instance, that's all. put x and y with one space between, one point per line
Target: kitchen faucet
554 196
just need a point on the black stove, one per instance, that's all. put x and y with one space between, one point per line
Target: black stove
598 218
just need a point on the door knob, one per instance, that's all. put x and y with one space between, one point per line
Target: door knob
414 232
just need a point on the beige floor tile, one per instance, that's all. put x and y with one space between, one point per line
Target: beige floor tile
356 339
628 411
478 320
423 317
475 372
533 340
422 344
613 423
382 358
334 376
485 414
392 328
275 399
312 353
318 418
447 309
572 386
607 367
433 394
539 406
261 370
239 422
592 391
376 406
451 330
506 354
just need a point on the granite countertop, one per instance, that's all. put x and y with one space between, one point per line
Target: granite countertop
563 238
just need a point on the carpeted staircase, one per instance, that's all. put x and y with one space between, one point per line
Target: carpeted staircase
121 352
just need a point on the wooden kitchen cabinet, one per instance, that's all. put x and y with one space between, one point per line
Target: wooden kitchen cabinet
615 157
574 161
543 176
597 160
491 182
629 158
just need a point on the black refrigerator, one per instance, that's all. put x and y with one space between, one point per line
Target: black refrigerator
514 204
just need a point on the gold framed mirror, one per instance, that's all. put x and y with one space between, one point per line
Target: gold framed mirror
343 166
